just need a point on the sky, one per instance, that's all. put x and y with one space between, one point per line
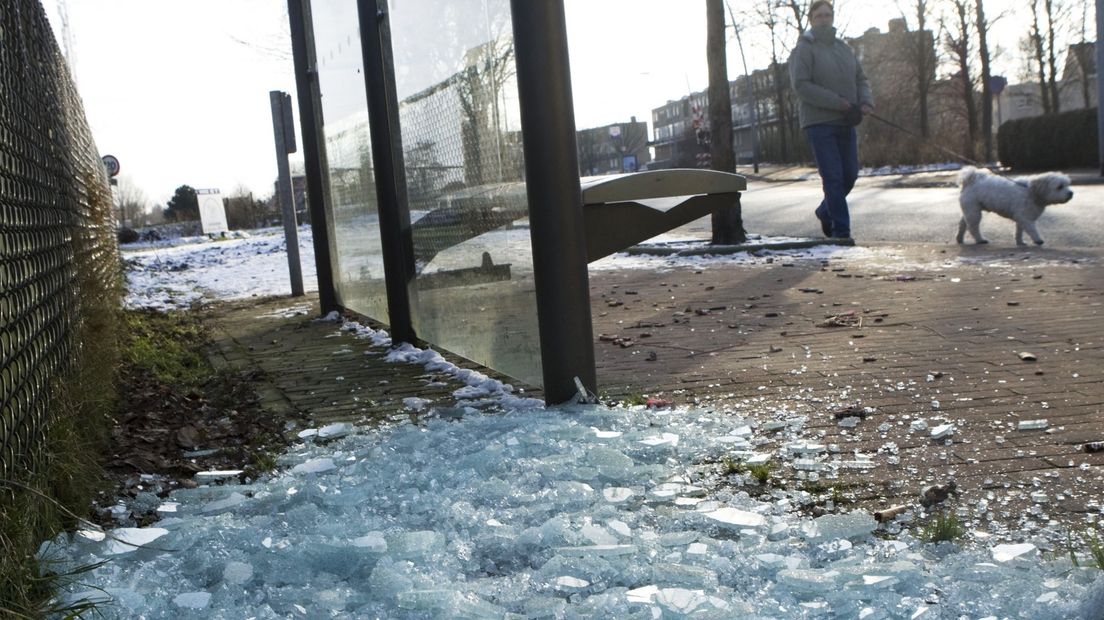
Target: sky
177 90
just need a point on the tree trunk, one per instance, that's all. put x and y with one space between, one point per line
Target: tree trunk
923 81
780 83
1040 57
785 125
1055 104
986 77
728 226
961 48
800 10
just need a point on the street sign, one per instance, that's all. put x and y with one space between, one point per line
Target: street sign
997 84
212 215
112 164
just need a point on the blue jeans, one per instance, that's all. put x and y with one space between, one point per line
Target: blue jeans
837 158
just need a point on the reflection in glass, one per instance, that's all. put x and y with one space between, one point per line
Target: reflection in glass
460 121
357 252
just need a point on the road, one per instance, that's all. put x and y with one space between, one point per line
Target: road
880 213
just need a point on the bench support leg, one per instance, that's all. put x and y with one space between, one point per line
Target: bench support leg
728 224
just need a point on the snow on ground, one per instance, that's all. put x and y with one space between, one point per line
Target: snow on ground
574 512
882 171
180 272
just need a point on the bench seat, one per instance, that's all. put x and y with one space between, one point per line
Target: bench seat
623 210
619 211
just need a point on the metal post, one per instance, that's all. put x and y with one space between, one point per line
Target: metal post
279 99
1100 82
555 199
387 157
314 153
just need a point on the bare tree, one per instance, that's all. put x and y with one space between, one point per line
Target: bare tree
749 84
799 10
925 73
957 41
130 201
155 216
1036 37
241 210
595 151
1083 53
986 79
766 11
728 227
1052 82
480 90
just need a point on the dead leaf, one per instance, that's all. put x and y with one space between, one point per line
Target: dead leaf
187 437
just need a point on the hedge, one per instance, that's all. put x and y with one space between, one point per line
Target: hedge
1055 141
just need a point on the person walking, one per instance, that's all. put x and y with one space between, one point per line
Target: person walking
833 95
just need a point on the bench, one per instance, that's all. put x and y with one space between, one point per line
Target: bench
619 211
623 210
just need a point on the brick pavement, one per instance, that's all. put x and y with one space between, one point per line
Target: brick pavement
312 369
747 339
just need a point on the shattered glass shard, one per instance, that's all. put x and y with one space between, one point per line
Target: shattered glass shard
734 517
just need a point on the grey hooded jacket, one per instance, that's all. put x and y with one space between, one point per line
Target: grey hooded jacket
823 69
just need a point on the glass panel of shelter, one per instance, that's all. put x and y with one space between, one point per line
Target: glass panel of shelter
355 234
473 292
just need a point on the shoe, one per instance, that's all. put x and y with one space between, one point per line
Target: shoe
825 225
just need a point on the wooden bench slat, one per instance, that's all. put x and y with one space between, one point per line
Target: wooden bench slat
659 184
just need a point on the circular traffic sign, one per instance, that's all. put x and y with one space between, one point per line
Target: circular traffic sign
112 164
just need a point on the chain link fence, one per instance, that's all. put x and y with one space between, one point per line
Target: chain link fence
58 256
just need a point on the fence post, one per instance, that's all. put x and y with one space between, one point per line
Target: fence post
555 198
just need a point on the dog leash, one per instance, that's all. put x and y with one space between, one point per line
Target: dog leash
926 141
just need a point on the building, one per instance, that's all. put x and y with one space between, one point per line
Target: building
678 132
612 149
765 100
1076 89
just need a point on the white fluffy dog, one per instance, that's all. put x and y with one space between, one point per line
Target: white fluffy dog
1020 200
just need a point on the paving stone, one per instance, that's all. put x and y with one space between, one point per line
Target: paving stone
963 329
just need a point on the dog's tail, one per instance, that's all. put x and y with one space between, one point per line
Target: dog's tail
969 174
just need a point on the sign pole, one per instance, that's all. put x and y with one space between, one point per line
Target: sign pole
281 127
111 164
